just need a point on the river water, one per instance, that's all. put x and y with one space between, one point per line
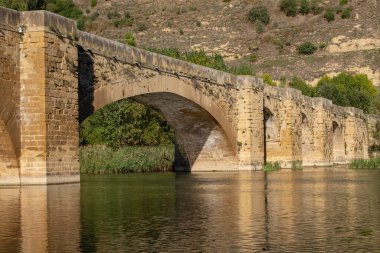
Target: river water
313 210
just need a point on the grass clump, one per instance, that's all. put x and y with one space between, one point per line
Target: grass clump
306 48
296 165
329 15
93 3
289 7
105 160
365 164
259 13
267 79
346 13
130 39
271 166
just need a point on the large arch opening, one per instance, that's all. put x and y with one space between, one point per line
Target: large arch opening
307 139
200 142
271 136
338 143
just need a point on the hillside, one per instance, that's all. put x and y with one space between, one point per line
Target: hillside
351 44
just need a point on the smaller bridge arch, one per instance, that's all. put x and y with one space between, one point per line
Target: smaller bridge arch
338 142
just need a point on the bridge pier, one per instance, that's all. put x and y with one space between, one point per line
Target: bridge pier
48 100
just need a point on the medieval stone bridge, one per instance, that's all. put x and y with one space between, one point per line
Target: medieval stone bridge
53 76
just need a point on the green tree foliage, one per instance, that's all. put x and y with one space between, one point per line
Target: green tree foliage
259 13
349 90
125 123
64 8
268 80
306 48
299 84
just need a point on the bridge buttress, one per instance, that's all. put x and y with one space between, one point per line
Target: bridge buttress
49 100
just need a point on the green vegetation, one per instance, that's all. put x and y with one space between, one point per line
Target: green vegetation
329 15
268 80
141 27
214 61
367 164
299 84
118 20
64 8
346 13
304 7
93 3
289 7
349 90
125 123
270 166
306 48
343 2
105 160
129 39
259 13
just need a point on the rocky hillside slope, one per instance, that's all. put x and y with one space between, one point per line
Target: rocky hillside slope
222 26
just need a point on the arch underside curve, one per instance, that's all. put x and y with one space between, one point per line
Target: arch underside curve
9 167
204 136
338 143
307 139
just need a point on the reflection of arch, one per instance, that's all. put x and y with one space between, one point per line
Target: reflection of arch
204 134
307 138
338 142
271 135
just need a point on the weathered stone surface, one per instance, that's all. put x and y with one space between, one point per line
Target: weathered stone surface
53 77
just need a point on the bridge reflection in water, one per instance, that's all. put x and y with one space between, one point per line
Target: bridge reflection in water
320 210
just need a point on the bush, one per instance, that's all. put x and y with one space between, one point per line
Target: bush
349 90
259 27
346 13
306 48
289 7
315 7
129 39
93 3
329 15
304 7
343 2
259 13
267 79
299 84
269 166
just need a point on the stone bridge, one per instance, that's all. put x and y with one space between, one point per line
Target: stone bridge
53 76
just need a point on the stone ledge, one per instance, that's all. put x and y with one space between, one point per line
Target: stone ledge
152 60
9 18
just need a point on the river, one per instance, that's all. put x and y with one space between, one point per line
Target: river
312 210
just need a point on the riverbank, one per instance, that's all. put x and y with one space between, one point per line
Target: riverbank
105 160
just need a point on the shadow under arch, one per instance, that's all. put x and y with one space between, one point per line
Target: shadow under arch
338 142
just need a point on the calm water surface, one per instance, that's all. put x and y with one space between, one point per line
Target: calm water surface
318 210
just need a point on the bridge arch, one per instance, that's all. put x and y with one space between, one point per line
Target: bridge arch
338 142
307 138
271 135
9 167
205 138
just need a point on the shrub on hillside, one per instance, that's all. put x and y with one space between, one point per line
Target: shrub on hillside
259 13
329 15
306 48
129 39
289 7
346 13
304 7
